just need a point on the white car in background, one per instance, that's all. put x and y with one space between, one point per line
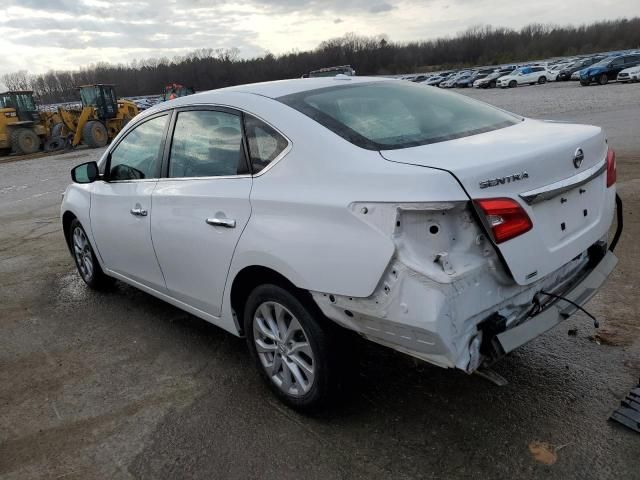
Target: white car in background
629 75
289 211
525 76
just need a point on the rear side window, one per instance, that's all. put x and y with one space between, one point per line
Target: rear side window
394 114
206 143
265 143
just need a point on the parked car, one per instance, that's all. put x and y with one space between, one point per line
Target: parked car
607 69
436 80
491 80
475 76
524 76
567 73
554 71
451 81
289 211
629 75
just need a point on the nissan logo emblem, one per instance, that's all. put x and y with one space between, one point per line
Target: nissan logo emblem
578 158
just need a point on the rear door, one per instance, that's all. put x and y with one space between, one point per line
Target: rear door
202 205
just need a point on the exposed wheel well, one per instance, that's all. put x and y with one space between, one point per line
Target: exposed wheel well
249 278
67 218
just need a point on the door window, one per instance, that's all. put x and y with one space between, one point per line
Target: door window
617 62
206 143
265 143
137 156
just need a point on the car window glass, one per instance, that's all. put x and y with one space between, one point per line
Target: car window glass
206 143
617 62
265 143
393 114
137 156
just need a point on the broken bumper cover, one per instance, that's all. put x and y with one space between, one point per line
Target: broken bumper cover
517 336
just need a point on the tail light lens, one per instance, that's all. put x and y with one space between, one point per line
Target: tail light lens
505 217
611 168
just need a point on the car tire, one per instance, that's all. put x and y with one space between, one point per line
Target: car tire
542 80
95 134
603 79
584 84
24 141
492 84
513 84
275 321
85 258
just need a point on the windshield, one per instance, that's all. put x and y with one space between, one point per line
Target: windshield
603 63
394 114
24 102
89 95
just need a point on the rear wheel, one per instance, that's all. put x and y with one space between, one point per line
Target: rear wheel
95 134
542 80
4 152
24 141
293 346
513 84
492 84
603 79
86 262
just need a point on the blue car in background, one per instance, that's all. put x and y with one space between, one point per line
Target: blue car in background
608 69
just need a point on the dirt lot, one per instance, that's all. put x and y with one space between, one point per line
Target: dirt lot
121 385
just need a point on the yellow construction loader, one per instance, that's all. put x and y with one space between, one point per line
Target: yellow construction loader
99 120
22 128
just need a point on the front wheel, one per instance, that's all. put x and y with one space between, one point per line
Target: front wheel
513 84
292 345
86 261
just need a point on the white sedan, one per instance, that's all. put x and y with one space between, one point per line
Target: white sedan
629 75
525 76
290 212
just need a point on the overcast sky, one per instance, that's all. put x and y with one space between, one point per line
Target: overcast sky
39 35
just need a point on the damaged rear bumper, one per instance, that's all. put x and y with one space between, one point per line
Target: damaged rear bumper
560 310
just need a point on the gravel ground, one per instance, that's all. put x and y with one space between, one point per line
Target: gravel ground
121 385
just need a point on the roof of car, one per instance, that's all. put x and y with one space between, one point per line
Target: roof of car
280 88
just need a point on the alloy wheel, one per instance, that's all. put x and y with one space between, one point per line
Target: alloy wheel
82 253
283 349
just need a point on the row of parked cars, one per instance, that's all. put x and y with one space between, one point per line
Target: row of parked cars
599 69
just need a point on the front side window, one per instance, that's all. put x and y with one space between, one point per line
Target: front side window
392 114
137 156
206 143
265 143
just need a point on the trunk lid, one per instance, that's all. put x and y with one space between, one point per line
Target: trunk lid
533 163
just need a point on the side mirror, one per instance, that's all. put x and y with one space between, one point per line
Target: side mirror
85 173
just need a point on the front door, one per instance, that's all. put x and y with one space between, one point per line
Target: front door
121 209
201 208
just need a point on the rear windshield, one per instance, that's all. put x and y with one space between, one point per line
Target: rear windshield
396 114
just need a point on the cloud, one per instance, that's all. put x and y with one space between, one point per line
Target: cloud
380 7
39 35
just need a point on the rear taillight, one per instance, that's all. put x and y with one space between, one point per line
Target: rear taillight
505 217
611 167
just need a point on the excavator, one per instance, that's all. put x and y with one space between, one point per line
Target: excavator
22 128
100 119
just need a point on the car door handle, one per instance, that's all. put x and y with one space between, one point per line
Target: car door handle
222 222
138 212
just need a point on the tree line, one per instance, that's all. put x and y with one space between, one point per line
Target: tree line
209 68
